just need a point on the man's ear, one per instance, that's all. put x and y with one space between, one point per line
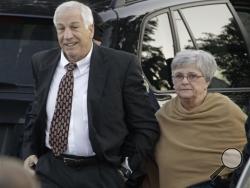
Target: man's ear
91 30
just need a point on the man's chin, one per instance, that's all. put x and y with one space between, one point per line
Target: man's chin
71 57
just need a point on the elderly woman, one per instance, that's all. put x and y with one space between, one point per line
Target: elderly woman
196 126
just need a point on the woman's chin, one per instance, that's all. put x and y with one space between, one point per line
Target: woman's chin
185 96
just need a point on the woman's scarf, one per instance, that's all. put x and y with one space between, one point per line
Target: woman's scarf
192 142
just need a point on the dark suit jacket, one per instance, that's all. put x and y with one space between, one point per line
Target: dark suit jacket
121 119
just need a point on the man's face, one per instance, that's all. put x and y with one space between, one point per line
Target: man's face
73 35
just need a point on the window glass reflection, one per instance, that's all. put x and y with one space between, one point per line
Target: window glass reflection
20 38
157 52
245 18
184 37
215 30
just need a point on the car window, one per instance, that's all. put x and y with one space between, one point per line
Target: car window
245 18
19 39
157 52
184 37
219 34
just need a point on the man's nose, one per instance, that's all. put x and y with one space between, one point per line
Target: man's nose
68 33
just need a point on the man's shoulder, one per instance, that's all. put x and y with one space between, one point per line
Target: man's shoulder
115 53
46 53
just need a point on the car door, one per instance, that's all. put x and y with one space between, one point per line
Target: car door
20 37
211 26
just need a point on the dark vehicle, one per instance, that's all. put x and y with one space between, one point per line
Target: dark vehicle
243 9
154 30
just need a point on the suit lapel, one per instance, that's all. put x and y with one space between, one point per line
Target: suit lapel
46 74
97 75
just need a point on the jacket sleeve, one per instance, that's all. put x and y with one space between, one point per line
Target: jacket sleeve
30 117
140 119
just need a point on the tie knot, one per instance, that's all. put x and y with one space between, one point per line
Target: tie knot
70 66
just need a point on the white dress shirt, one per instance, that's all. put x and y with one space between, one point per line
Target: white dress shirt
78 137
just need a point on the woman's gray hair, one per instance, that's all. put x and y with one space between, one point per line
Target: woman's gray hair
86 12
202 59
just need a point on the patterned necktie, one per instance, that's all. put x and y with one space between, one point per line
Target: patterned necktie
58 136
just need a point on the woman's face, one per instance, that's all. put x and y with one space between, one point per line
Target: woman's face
189 83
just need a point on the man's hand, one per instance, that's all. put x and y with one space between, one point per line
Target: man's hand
125 170
30 162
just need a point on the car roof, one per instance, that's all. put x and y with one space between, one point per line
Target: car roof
42 8
137 7
166 2
46 8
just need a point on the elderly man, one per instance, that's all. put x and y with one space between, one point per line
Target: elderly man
91 124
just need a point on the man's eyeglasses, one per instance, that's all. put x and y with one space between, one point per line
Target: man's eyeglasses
191 77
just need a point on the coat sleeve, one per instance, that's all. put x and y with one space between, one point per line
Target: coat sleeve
31 114
140 119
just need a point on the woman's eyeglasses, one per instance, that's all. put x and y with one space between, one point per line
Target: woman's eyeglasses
191 77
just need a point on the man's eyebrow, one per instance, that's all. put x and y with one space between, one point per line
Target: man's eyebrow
59 24
72 23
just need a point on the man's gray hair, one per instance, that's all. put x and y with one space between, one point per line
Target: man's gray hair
86 12
202 59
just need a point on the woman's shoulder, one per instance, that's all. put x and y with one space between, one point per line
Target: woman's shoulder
219 98
224 102
169 105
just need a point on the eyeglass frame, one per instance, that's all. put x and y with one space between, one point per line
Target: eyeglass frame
188 77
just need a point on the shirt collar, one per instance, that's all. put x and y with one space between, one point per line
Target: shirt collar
80 64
